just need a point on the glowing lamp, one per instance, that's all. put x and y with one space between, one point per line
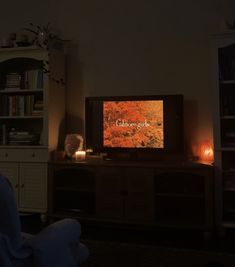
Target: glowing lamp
206 152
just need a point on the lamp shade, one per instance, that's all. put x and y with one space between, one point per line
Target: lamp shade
206 152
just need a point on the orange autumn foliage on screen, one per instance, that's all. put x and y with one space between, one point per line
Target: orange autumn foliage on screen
133 124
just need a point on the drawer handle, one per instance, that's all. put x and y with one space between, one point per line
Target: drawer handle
17 185
33 155
22 186
6 155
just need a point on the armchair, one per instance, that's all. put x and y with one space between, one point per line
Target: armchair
57 245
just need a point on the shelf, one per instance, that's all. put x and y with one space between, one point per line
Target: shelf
224 128
73 189
227 117
183 195
227 82
228 224
23 146
20 117
177 223
231 148
229 189
21 91
21 48
229 171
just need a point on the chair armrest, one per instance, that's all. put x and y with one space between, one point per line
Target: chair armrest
57 244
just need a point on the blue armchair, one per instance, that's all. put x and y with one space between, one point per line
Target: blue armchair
57 245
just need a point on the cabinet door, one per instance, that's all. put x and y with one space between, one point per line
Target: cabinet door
139 200
72 190
109 193
33 187
10 170
125 193
184 197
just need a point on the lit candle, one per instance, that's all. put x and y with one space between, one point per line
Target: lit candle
80 155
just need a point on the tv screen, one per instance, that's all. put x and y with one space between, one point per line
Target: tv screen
134 123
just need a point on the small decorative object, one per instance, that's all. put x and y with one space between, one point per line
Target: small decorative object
205 152
41 38
22 39
80 155
73 143
44 36
5 42
46 39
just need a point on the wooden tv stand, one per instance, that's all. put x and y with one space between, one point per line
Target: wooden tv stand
169 194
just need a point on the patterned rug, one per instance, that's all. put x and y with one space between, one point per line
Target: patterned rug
115 254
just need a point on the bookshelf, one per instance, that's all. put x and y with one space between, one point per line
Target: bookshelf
32 113
223 45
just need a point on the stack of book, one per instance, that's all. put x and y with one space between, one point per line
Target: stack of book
30 79
23 138
13 80
38 108
17 105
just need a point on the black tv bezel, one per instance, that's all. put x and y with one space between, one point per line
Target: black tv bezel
177 147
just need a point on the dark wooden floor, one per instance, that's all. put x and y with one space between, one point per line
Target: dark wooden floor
180 238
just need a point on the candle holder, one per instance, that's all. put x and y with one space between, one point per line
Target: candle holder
80 155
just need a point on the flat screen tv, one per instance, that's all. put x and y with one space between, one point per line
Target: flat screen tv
134 124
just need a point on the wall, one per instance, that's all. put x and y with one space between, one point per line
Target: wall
127 47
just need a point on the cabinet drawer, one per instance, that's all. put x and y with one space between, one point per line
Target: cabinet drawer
180 182
23 155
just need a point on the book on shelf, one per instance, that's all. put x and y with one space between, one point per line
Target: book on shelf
19 133
12 105
4 105
17 105
22 137
13 80
30 79
37 113
33 79
21 105
38 105
4 134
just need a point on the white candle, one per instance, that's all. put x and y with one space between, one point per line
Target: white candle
80 155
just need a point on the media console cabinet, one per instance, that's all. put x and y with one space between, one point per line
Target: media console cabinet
169 194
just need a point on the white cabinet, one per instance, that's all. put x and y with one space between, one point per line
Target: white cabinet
224 127
29 181
32 114
10 170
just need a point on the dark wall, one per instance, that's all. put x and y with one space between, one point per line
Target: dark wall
131 47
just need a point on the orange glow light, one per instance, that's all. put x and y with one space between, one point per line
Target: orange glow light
206 152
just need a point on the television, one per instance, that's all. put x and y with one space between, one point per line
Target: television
134 125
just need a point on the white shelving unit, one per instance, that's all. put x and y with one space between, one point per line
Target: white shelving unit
32 113
224 127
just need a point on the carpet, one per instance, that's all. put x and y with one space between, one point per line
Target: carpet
117 254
